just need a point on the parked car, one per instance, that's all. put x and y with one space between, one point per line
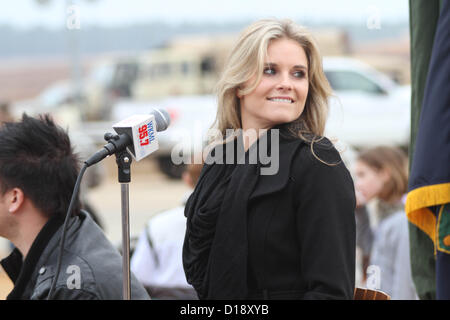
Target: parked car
54 97
367 109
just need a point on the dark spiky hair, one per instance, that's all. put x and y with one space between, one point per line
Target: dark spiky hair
36 156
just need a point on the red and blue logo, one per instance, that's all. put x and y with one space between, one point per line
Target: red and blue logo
146 134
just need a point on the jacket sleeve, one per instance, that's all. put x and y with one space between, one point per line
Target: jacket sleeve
63 293
364 233
325 219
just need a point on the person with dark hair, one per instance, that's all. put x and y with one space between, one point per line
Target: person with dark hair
38 172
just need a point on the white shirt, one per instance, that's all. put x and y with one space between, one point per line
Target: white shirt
158 262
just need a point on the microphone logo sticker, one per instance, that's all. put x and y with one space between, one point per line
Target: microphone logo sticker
146 134
143 131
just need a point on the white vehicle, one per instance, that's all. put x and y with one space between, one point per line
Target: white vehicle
367 109
54 97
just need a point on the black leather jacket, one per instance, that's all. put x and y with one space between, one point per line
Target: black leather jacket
91 267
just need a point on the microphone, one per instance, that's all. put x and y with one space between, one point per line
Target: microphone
137 134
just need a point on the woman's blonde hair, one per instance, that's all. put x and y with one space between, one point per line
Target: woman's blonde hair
395 162
247 60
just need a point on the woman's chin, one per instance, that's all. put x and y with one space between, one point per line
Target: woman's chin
281 119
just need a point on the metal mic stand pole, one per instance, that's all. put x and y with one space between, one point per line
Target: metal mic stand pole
123 160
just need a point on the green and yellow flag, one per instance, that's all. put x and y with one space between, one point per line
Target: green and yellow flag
428 201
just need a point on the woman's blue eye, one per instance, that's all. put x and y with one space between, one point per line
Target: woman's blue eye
299 74
269 71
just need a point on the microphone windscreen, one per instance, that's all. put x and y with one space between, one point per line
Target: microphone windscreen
162 119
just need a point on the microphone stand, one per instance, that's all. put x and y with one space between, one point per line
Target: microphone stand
123 160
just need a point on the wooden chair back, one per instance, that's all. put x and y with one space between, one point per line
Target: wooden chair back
369 294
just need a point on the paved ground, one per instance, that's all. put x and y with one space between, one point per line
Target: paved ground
150 192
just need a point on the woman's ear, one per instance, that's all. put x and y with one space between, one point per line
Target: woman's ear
238 92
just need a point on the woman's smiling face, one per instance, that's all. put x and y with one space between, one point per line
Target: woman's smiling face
281 94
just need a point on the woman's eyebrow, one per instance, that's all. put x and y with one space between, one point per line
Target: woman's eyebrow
270 64
298 66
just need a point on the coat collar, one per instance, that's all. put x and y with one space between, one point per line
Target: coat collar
268 184
21 272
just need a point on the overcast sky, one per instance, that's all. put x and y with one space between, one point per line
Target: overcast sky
28 14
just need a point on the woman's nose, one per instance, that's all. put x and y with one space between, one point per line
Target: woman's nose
285 82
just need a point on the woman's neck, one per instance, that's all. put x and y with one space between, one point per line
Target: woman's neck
251 135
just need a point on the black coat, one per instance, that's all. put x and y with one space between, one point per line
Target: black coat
288 235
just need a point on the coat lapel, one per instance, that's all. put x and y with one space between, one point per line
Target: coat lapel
268 184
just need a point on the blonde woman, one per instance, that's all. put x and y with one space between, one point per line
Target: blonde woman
288 234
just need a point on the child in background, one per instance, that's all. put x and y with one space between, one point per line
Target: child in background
381 173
